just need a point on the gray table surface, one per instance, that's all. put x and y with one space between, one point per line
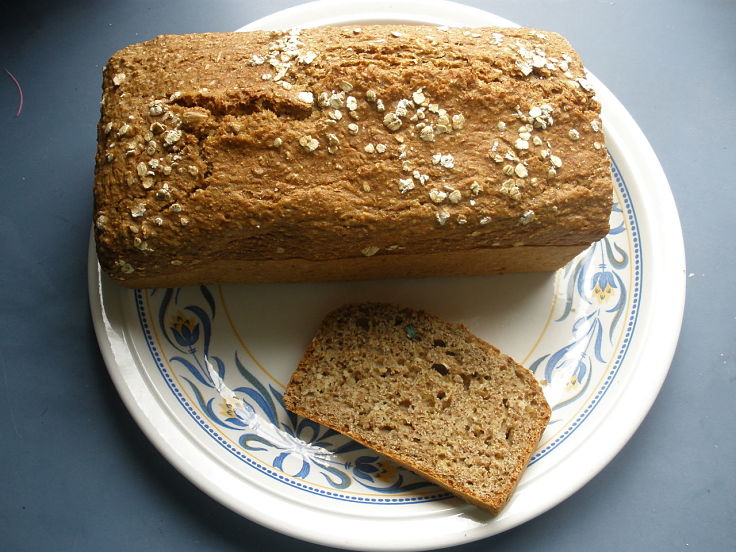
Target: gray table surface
76 473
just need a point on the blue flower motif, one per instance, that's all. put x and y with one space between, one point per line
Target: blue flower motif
372 468
365 467
238 412
185 330
604 284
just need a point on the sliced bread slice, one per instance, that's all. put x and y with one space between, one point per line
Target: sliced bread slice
425 393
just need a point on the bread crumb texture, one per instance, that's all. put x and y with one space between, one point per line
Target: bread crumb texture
427 394
328 143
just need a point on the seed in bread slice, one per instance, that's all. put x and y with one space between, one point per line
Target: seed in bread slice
425 393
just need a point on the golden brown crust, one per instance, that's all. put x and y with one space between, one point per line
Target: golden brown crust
360 362
330 145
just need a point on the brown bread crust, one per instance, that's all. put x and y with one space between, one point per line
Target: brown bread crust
334 145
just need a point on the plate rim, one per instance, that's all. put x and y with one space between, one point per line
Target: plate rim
666 335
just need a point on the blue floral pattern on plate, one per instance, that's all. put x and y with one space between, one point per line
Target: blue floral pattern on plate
252 414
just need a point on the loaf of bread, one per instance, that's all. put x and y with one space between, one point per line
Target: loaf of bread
347 153
427 394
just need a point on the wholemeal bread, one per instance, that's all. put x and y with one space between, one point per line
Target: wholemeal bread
343 153
427 394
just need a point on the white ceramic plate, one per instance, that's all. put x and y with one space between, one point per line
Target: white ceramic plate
599 333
